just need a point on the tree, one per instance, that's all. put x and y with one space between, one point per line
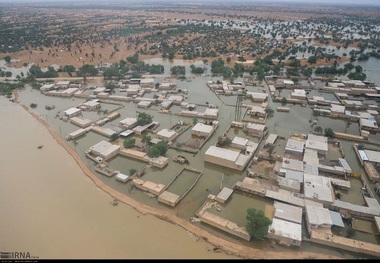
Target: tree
257 223
144 119
312 59
7 59
318 129
158 149
146 139
129 142
269 111
329 133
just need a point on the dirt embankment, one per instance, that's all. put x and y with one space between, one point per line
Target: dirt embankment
225 245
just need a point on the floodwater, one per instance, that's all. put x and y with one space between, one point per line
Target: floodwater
52 210
213 178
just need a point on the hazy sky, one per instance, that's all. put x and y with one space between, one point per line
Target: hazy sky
361 2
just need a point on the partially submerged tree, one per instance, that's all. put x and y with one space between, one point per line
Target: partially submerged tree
329 133
144 118
257 223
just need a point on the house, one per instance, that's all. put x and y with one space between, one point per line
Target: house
144 104
256 96
72 112
90 105
318 189
255 129
104 149
211 113
295 146
317 143
167 135
128 123
317 217
298 94
285 232
201 129
228 158
62 84
288 212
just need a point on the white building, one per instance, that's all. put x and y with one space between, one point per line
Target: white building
318 189
227 158
128 123
285 232
294 146
72 112
256 96
317 143
256 129
211 113
317 217
91 105
288 212
201 129
167 135
104 149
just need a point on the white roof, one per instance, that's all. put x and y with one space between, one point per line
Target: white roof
175 98
369 123
255 126
100 146
373 156
63 82
345 165
200 127
294 145
99 89
288 82
110 150
292 164
72 111
285 196
129 121
240 141
257 95
91 103
337 108
255 108
77 132
211 112
310 169
290 183
286 229
225 193
287 212
317 142
318 215
318 188
122 176
81 121
167 133
222 153
271 138
126 133
310 156
148 80
295 175
144 103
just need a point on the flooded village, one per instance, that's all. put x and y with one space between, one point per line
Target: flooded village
223 158
304 150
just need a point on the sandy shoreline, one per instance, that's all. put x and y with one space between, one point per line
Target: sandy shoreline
225 245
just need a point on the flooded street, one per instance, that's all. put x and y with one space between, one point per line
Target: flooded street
52 210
